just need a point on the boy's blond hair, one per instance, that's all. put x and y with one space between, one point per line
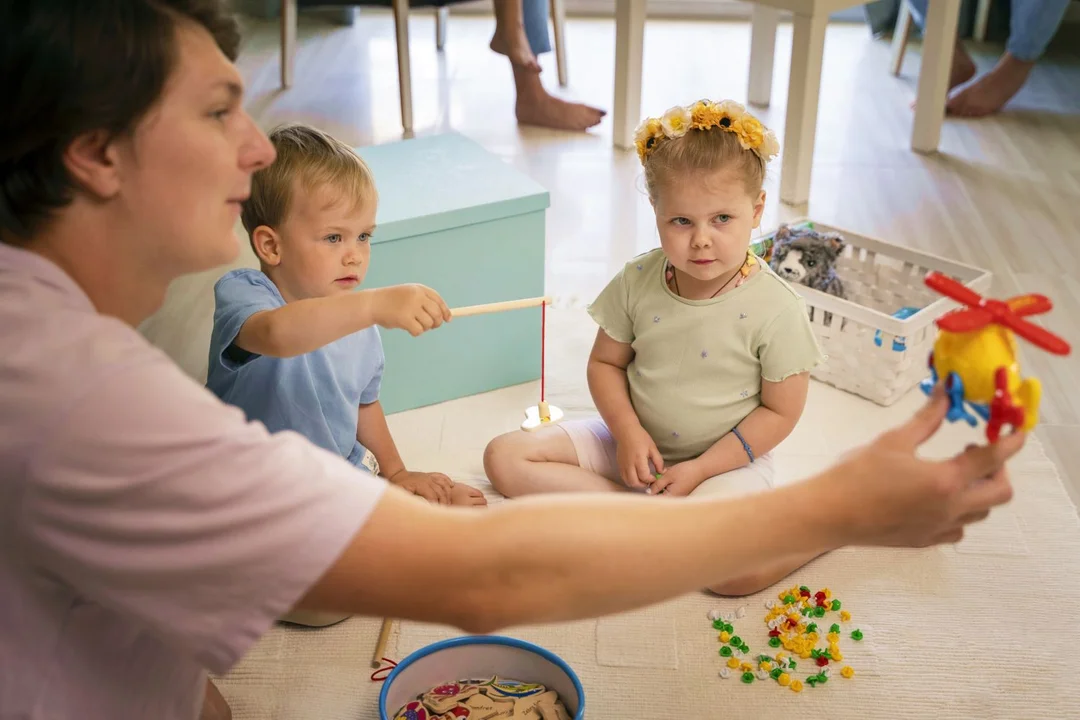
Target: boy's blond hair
307 158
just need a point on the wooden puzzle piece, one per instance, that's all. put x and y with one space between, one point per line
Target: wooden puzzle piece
486 708
441 699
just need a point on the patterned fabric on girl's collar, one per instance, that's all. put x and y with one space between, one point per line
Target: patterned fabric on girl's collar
727 115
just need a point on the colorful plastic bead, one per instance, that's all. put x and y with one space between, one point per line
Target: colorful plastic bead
823 679
848 672
729 627
784 679
733 663
774 642
792 665
845 615
741 612
812 627
725 673
788 599
835 605
837 656
725 636
833 637
776 673
812 681
745 648
746 667
718 624
819 611
714 615
857 635
762 675
736 641
748 677
796 686
725 651
765 665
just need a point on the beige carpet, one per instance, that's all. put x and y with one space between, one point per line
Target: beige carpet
980 630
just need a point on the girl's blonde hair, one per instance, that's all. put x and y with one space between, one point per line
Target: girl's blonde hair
705 136
703 150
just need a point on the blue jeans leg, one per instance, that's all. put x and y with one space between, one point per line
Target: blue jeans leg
534 15
1032 25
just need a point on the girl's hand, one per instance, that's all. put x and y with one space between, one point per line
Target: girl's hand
890 496
433 487
634 450
679 480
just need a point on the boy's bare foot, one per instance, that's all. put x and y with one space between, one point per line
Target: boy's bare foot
989 93
511 41
466 495
214 705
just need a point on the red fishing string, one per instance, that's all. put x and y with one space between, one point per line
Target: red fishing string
543 341
382 673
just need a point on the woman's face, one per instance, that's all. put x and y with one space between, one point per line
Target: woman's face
188 166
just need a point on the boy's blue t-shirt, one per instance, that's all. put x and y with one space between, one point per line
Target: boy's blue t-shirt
317 394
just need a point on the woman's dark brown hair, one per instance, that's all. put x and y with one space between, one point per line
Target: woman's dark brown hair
68 67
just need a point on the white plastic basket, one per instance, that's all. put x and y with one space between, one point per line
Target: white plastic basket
870 352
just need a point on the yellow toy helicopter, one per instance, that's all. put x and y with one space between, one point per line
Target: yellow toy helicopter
975 353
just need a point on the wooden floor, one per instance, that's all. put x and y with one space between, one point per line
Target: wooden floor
1004 193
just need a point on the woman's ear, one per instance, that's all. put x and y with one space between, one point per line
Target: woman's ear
93 160
267 245
759 209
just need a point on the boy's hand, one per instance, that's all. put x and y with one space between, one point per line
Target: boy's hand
414 308
634 450
679 480
434 487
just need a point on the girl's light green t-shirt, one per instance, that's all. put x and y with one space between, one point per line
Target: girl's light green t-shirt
698 364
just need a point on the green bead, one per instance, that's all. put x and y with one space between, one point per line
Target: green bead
748 677
774 642
815 653
812 680
777 672
788 599
826 654
856 635
823 679
835 628
718 624
729 627
805 611
835 605
791 664
819 612
735 641
725 651
803 588
745 648
812 627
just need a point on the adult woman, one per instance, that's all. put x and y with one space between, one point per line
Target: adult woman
148 533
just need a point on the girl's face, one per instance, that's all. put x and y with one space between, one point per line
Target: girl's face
705 220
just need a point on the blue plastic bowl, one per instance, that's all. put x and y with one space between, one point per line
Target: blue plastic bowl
476 657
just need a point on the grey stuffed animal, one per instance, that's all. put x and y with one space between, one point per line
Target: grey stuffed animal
807 257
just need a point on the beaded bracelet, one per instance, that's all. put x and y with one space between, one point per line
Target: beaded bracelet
745 445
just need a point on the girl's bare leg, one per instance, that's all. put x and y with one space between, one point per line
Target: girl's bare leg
543 461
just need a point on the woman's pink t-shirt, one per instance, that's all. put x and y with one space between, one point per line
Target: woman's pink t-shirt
148 533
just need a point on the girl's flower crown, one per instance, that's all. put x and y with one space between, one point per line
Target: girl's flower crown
703 115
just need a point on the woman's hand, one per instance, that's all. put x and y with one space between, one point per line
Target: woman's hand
634 450
679 480
889 496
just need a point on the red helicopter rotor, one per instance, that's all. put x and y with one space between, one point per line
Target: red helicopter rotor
982 311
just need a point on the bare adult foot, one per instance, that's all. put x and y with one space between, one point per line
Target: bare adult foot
510 40
214 705
989 93
466 495
535 106
963 67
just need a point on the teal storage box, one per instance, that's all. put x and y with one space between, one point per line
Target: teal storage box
458 219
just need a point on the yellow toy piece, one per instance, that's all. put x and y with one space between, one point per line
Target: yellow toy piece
976 357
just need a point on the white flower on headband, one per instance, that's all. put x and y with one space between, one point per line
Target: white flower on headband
731 108
770 146
676 122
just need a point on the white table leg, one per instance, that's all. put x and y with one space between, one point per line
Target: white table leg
629 48
901 35
939 39
807 50
763 22
288 42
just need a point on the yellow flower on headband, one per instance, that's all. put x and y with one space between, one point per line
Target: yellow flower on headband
727 115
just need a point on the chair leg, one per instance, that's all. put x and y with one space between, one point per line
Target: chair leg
442 19
401 31
288 41
558 20
901 35
982 16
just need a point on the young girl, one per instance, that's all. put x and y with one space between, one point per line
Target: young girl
701 363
